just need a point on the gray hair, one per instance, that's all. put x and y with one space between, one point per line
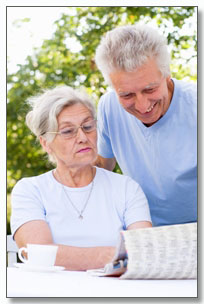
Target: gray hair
129 47
46 107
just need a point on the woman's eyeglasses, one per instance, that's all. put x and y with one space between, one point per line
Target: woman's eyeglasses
70 132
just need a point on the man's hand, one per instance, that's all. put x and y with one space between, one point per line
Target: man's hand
106 163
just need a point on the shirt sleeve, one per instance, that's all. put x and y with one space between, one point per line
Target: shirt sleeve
26 204
137 208
104 143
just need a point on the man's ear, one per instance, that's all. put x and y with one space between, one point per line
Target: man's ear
45 145
168 78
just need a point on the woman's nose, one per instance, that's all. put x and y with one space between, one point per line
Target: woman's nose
81 135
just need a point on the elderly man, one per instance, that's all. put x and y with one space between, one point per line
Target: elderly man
148 123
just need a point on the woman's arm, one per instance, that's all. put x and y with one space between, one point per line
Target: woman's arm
142 224
72 258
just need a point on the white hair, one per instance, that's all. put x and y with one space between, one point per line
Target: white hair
129 47
46 107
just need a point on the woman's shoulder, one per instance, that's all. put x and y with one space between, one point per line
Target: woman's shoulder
114 177
33 181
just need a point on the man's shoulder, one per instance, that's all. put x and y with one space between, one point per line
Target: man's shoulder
108 98
109 105
186 91
109 94
186 88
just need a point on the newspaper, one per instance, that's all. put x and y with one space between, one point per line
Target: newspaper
166 252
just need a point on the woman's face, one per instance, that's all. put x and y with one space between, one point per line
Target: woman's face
79 150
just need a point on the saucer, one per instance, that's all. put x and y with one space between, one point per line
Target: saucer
28 267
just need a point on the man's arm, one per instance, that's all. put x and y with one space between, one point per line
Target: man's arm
72 258
106 163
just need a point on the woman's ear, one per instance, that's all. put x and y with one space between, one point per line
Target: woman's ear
45 145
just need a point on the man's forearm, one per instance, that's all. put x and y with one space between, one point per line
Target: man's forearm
106 163
78 258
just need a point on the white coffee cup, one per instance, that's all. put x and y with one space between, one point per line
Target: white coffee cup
39 255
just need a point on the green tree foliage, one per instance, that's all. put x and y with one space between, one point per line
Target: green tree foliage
56 62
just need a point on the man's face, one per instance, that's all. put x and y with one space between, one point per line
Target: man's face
144 92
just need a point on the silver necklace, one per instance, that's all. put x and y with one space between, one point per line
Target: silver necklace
80 213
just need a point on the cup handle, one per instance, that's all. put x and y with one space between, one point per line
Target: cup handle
20 254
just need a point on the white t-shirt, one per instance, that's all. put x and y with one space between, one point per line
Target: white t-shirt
116 202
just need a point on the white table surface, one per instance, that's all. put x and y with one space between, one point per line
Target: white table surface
81 284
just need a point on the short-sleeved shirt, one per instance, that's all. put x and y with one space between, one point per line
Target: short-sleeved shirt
116 201
161 158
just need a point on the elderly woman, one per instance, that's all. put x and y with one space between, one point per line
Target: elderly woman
77 206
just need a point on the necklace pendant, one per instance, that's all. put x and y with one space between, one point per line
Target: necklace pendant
81 217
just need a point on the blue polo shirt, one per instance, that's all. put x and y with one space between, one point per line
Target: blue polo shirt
161 158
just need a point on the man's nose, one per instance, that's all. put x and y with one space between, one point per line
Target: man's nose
142 104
